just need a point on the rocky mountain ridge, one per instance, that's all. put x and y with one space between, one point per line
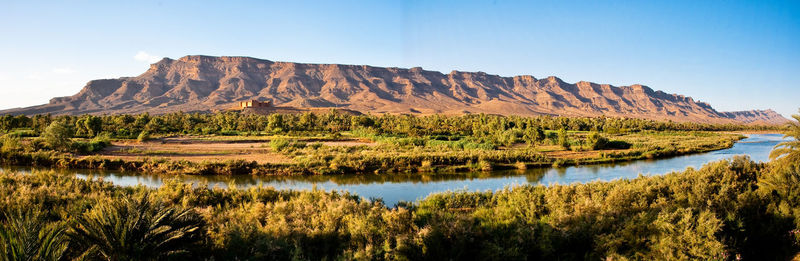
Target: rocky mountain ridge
206 83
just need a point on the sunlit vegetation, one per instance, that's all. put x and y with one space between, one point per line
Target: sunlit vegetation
496 129
136 229
725 210
386 143
789 150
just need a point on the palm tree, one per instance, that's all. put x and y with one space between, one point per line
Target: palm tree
789 149
28 236
136 229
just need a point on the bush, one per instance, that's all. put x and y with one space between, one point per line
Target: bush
29 236
9 143
57 136
278 144
89 147
563 140
23 133
596 141
617 144
724 210
143 136
137 229
229 133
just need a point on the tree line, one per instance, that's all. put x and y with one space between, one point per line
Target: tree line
235 123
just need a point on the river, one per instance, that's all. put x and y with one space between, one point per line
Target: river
393 188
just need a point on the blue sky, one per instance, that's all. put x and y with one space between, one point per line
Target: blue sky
735 55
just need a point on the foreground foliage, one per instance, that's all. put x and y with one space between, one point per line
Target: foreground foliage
727 209
136 229
28 236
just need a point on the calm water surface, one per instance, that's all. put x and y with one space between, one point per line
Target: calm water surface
410 187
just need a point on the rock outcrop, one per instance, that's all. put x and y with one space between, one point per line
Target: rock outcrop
205 83
761 117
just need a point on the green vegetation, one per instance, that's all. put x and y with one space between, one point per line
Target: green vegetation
382 144
136 229
789 149
489 127
28 236
57 136
143 136
597 142
725 210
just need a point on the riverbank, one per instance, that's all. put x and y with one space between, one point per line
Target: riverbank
746 132
385 155
398 187
724 209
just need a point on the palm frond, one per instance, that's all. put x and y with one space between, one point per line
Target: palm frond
137 229
789 150
29 236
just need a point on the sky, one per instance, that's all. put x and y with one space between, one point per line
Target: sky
735 55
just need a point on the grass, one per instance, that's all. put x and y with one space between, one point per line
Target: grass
391 153
723 210
137 151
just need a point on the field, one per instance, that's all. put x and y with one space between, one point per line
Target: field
215 148
351 153
334 143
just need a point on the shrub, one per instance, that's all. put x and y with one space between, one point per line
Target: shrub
9 143
520 165
143 136
278 144
229 133
28 236
137 229
596 141
617 144
481 165
57 136
563 140
23 133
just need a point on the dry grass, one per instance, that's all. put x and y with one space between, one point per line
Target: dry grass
199 149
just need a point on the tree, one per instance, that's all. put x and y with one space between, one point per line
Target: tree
596 141
57 135
783 180
789 149
28 236
562 138
94 125
533 134
276 124
136 229
9 143
508 137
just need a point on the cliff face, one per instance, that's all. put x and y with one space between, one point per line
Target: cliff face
204 83
757 117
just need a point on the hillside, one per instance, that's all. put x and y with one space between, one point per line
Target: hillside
205 83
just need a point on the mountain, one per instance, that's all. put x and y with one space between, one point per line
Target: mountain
205 83
762 117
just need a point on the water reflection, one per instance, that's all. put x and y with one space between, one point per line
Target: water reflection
409 187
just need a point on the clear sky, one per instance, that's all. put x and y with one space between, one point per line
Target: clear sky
735 55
